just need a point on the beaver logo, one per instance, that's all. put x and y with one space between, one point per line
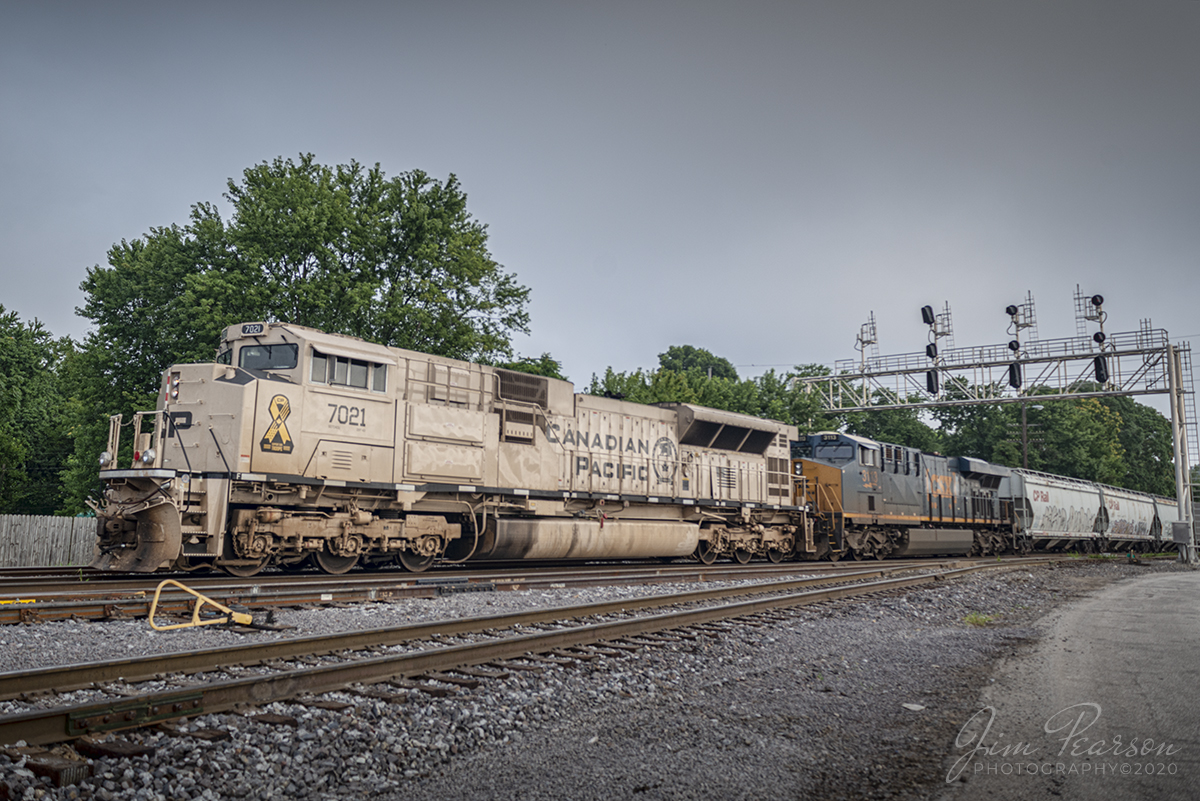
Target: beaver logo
665 463
277 439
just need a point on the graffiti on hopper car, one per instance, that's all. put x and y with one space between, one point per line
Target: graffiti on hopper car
1129 528
1056 518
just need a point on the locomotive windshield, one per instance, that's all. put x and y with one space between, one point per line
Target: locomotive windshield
834 451
268 357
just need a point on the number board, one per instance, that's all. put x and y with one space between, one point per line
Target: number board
252 328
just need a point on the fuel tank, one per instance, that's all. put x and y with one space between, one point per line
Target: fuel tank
934 541
574 538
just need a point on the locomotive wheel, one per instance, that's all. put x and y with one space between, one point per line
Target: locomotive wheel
245 571
332 563
857 555
415 563
742 556
775 555
836 555
705 552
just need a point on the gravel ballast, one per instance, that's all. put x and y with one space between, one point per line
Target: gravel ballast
811 706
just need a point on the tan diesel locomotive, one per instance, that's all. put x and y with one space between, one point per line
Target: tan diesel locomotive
299 448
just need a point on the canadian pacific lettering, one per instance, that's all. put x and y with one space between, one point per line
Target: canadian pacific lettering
594 467
595 442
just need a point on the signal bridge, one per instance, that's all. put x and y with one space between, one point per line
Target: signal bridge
1136 363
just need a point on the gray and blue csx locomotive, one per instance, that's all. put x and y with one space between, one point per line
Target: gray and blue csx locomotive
873 499
298 448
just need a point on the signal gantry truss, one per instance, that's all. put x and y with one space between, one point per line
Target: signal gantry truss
1136 363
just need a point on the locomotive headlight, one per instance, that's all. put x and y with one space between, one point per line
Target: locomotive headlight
148 456
105 459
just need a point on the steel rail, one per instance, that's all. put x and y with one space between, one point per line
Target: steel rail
74 584
62 678
46 726
298 590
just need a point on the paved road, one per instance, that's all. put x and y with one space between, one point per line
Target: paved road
1106 706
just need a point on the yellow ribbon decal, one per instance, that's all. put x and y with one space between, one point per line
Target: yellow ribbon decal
277 439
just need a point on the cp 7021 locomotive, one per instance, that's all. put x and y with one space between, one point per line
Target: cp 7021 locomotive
298 447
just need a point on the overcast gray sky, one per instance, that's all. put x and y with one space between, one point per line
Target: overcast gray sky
753 178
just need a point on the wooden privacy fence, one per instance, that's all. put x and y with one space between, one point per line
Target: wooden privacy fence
37 540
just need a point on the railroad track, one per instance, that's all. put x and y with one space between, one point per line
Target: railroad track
32 595
288 669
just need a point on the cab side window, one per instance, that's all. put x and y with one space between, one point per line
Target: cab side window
342 371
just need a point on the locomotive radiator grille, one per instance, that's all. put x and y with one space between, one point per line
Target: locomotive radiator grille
777 477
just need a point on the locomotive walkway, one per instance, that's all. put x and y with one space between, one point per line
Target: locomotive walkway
1103 707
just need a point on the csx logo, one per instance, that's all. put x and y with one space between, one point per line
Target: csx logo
941 485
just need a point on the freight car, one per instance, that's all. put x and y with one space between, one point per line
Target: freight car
874 499
1058 513
298 447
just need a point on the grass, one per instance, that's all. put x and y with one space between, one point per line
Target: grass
978 619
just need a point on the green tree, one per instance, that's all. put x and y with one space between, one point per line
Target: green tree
658 386
1145 438
1080 440
685 358
772 395
897 426
544 365
979 430
398 261
344 249
33 438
